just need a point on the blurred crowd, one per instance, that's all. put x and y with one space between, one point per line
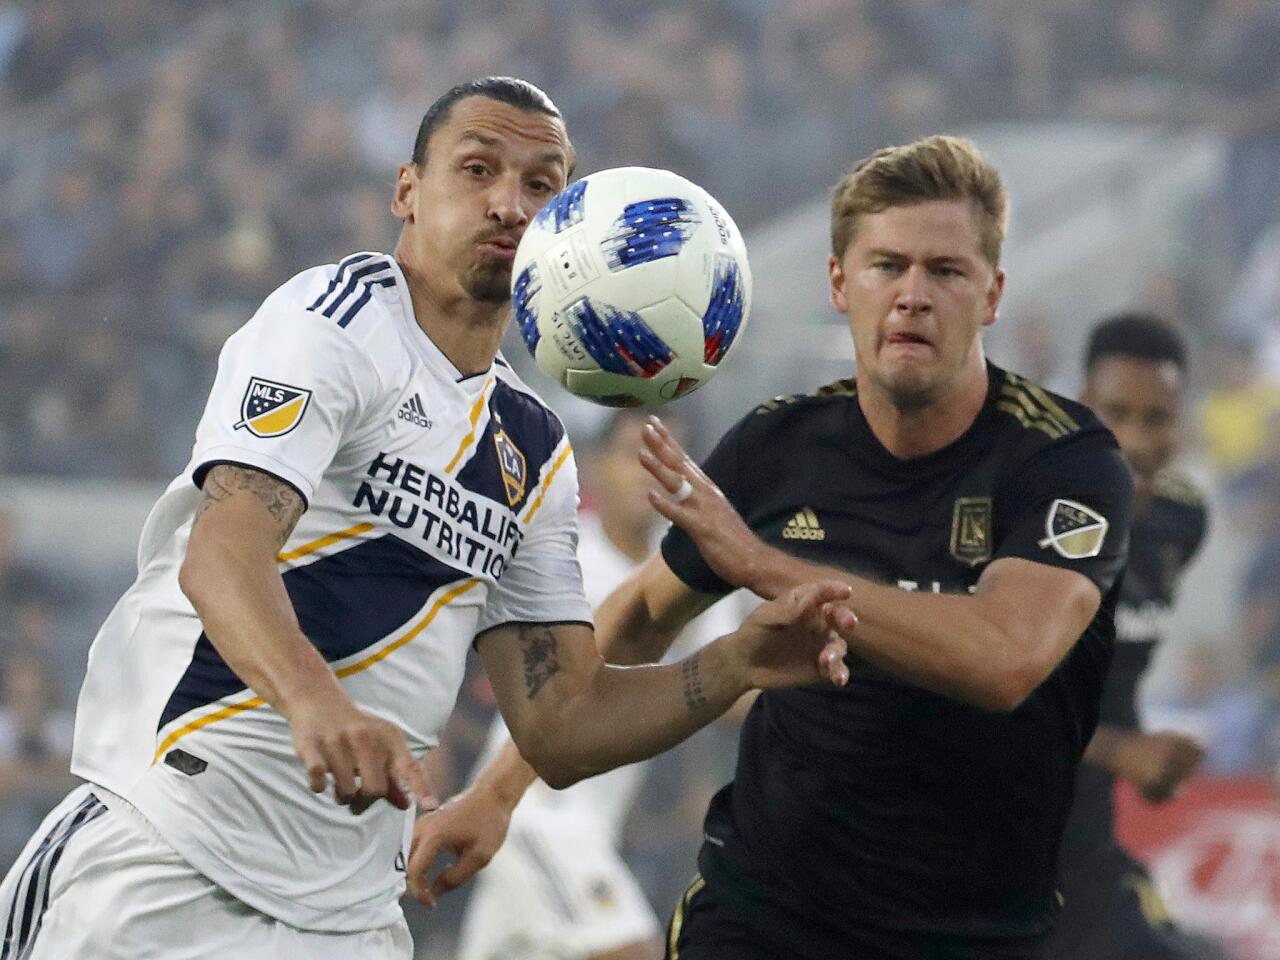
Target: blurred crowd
164 164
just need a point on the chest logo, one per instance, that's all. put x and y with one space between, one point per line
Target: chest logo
512 463
971 530
1074 530
412 411
270 409
804 526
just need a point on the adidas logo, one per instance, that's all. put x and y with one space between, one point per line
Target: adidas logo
413 411
804 526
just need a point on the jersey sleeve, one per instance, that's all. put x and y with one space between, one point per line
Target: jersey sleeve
289 389
1070 506
678 549
543 583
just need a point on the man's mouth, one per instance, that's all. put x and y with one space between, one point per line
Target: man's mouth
503 248
905 338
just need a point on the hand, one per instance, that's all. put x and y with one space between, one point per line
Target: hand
366 756
798 638
723 537
1158 763
472 826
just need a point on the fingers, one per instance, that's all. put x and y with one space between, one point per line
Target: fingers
459 873
831 660
409 773
426 846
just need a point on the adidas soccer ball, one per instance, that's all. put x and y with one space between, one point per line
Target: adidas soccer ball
631 287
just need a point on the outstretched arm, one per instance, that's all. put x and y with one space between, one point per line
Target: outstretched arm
233 580
989 649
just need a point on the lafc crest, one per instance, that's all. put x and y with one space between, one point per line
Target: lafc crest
512 464
270 409
971 530
1074 530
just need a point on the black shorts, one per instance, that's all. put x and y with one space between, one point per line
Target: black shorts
1112 911
704 927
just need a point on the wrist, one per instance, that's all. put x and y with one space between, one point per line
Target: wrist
724 668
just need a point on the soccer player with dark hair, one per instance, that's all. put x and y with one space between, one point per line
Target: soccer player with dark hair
1135 374
372 490
981 523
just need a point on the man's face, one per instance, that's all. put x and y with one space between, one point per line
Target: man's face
1140 401
490 168
917 291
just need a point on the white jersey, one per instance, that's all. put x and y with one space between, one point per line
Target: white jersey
601 803
438 506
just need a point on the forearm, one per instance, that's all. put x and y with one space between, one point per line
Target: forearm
245 609
1104 748
627 714
638 621
948 643
506 777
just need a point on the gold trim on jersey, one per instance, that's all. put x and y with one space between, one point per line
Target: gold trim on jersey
551 474
222 714
323 542
804 526
1173 486
1032 407
677 920
470 438
838 388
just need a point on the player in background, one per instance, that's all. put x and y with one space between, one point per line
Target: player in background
371 491
558 889
981 523
1135 375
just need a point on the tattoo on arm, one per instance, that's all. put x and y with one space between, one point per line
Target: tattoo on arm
282 502
538 644
694 696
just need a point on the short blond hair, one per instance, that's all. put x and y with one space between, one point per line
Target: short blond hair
935 168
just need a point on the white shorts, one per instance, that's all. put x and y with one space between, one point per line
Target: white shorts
554 892
97 882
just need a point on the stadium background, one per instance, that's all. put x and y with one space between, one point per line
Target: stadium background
165 163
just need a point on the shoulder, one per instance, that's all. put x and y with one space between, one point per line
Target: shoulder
1040 417
1177 497
345 307
802 414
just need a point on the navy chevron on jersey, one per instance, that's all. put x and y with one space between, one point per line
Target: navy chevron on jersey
1163 539
883 808
438 506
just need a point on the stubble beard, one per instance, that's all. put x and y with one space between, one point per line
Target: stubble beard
488 282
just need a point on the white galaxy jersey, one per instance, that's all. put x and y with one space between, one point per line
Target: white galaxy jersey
602 802
438 507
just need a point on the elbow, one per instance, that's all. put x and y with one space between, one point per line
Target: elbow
1007 687
546 754
190 578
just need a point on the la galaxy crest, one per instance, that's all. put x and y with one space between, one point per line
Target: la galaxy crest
269 409
512 464
971 530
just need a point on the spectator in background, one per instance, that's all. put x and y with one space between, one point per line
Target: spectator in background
35 749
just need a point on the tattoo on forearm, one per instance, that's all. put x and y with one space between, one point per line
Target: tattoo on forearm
538 643
282 502
695 697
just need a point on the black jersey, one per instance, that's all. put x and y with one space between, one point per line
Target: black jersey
1162 541
882 805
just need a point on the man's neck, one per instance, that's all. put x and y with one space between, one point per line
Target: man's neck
913 432
467 332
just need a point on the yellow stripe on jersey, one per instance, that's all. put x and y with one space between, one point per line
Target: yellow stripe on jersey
551 475
470 438
425 622
445 598
677 921
323 542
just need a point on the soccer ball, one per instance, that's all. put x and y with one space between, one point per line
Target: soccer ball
631 286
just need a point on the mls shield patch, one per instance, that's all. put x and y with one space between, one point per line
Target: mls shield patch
512 463
971 530
271 409
1074 530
